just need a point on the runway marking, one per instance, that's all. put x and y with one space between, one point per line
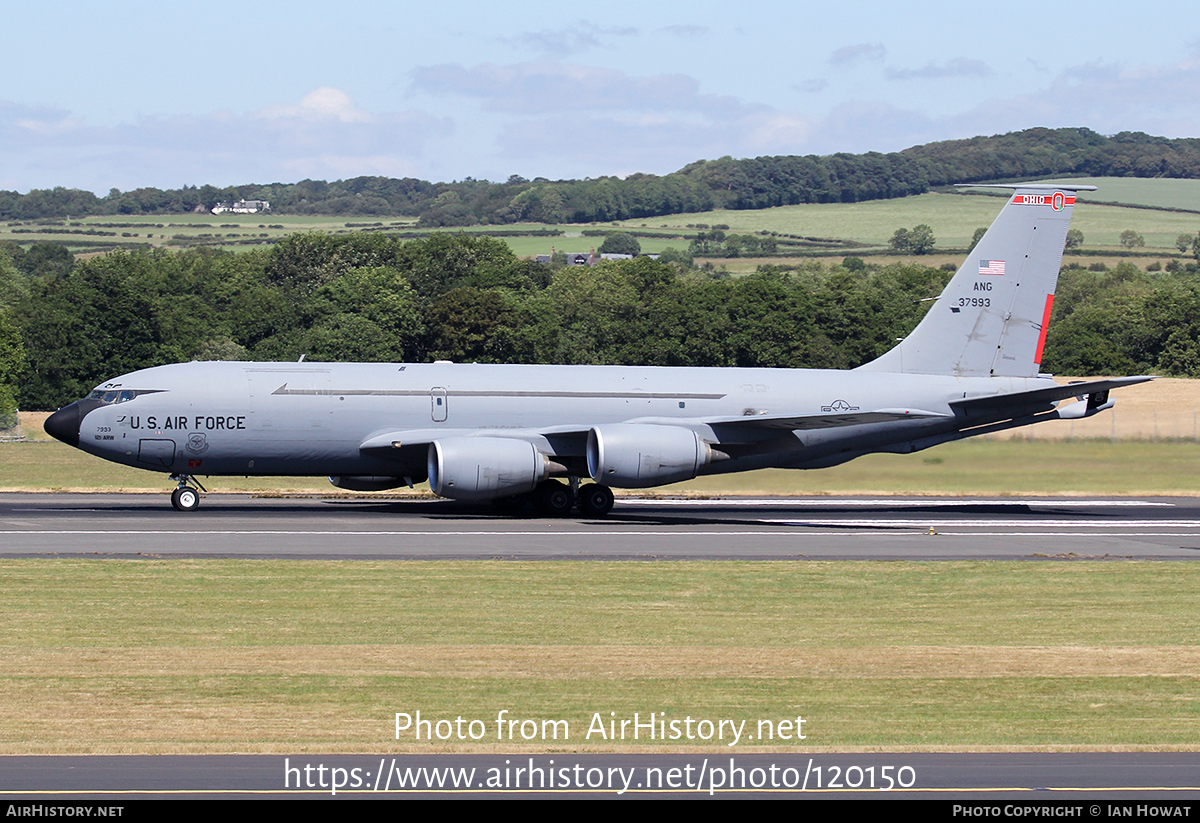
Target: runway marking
922 529
887 502
966 524
366 533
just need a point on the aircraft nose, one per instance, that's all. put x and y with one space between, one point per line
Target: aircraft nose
64 424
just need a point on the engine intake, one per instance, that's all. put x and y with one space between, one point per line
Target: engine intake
636 455
482 468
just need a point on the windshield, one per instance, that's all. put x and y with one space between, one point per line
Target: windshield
113 396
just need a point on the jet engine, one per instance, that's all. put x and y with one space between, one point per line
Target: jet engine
637 455
482 468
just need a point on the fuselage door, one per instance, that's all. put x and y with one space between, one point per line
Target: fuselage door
437 404
157 452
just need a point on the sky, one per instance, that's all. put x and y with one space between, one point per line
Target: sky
99 95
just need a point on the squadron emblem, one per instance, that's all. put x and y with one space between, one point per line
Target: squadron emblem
197 443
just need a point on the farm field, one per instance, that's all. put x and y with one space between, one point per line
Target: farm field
953 218
1159 193
868 226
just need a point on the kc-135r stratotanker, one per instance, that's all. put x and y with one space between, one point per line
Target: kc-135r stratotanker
506 432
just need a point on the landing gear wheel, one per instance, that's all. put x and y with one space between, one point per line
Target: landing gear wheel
185 499
595 500
554 498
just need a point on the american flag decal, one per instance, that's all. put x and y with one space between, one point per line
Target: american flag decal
991 267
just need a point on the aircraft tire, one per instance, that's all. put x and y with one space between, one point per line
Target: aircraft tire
185 499
554 499
595 500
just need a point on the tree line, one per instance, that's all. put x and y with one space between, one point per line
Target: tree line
64 328
701 186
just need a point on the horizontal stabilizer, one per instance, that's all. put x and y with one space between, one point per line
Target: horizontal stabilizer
1048 395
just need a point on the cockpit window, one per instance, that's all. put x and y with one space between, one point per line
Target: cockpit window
115 396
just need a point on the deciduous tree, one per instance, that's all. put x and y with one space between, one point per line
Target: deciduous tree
1130 239
620 242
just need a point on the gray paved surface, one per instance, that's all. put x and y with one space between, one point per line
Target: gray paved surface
741 528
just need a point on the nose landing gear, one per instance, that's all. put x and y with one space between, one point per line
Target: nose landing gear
185 498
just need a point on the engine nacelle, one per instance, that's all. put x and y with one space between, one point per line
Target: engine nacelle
482 468
636 455
366 483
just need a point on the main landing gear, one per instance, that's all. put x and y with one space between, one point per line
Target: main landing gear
185 498
552 498
595 500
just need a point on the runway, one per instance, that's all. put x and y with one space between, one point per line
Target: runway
814 528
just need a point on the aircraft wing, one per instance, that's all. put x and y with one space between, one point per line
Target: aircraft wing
421 438
411 438
1047 396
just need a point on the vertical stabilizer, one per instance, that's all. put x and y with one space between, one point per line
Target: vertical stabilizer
991 319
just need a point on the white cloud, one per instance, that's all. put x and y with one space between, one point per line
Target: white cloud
563 119
1162 100
33 125
859 53
570 40
957 67
551 87
324 135
325 103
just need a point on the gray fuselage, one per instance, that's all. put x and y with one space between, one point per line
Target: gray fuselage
233 418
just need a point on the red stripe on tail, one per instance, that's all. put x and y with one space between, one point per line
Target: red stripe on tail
1037 358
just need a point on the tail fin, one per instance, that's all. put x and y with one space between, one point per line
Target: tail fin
991 319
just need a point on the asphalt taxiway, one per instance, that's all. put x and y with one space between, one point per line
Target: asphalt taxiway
818 528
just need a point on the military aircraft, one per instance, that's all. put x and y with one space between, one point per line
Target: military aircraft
507 433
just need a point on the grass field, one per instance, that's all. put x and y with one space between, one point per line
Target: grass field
288 656
1156 192
953 217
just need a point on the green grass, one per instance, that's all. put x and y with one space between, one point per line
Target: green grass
953 218
1158 192
287 656
970 467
